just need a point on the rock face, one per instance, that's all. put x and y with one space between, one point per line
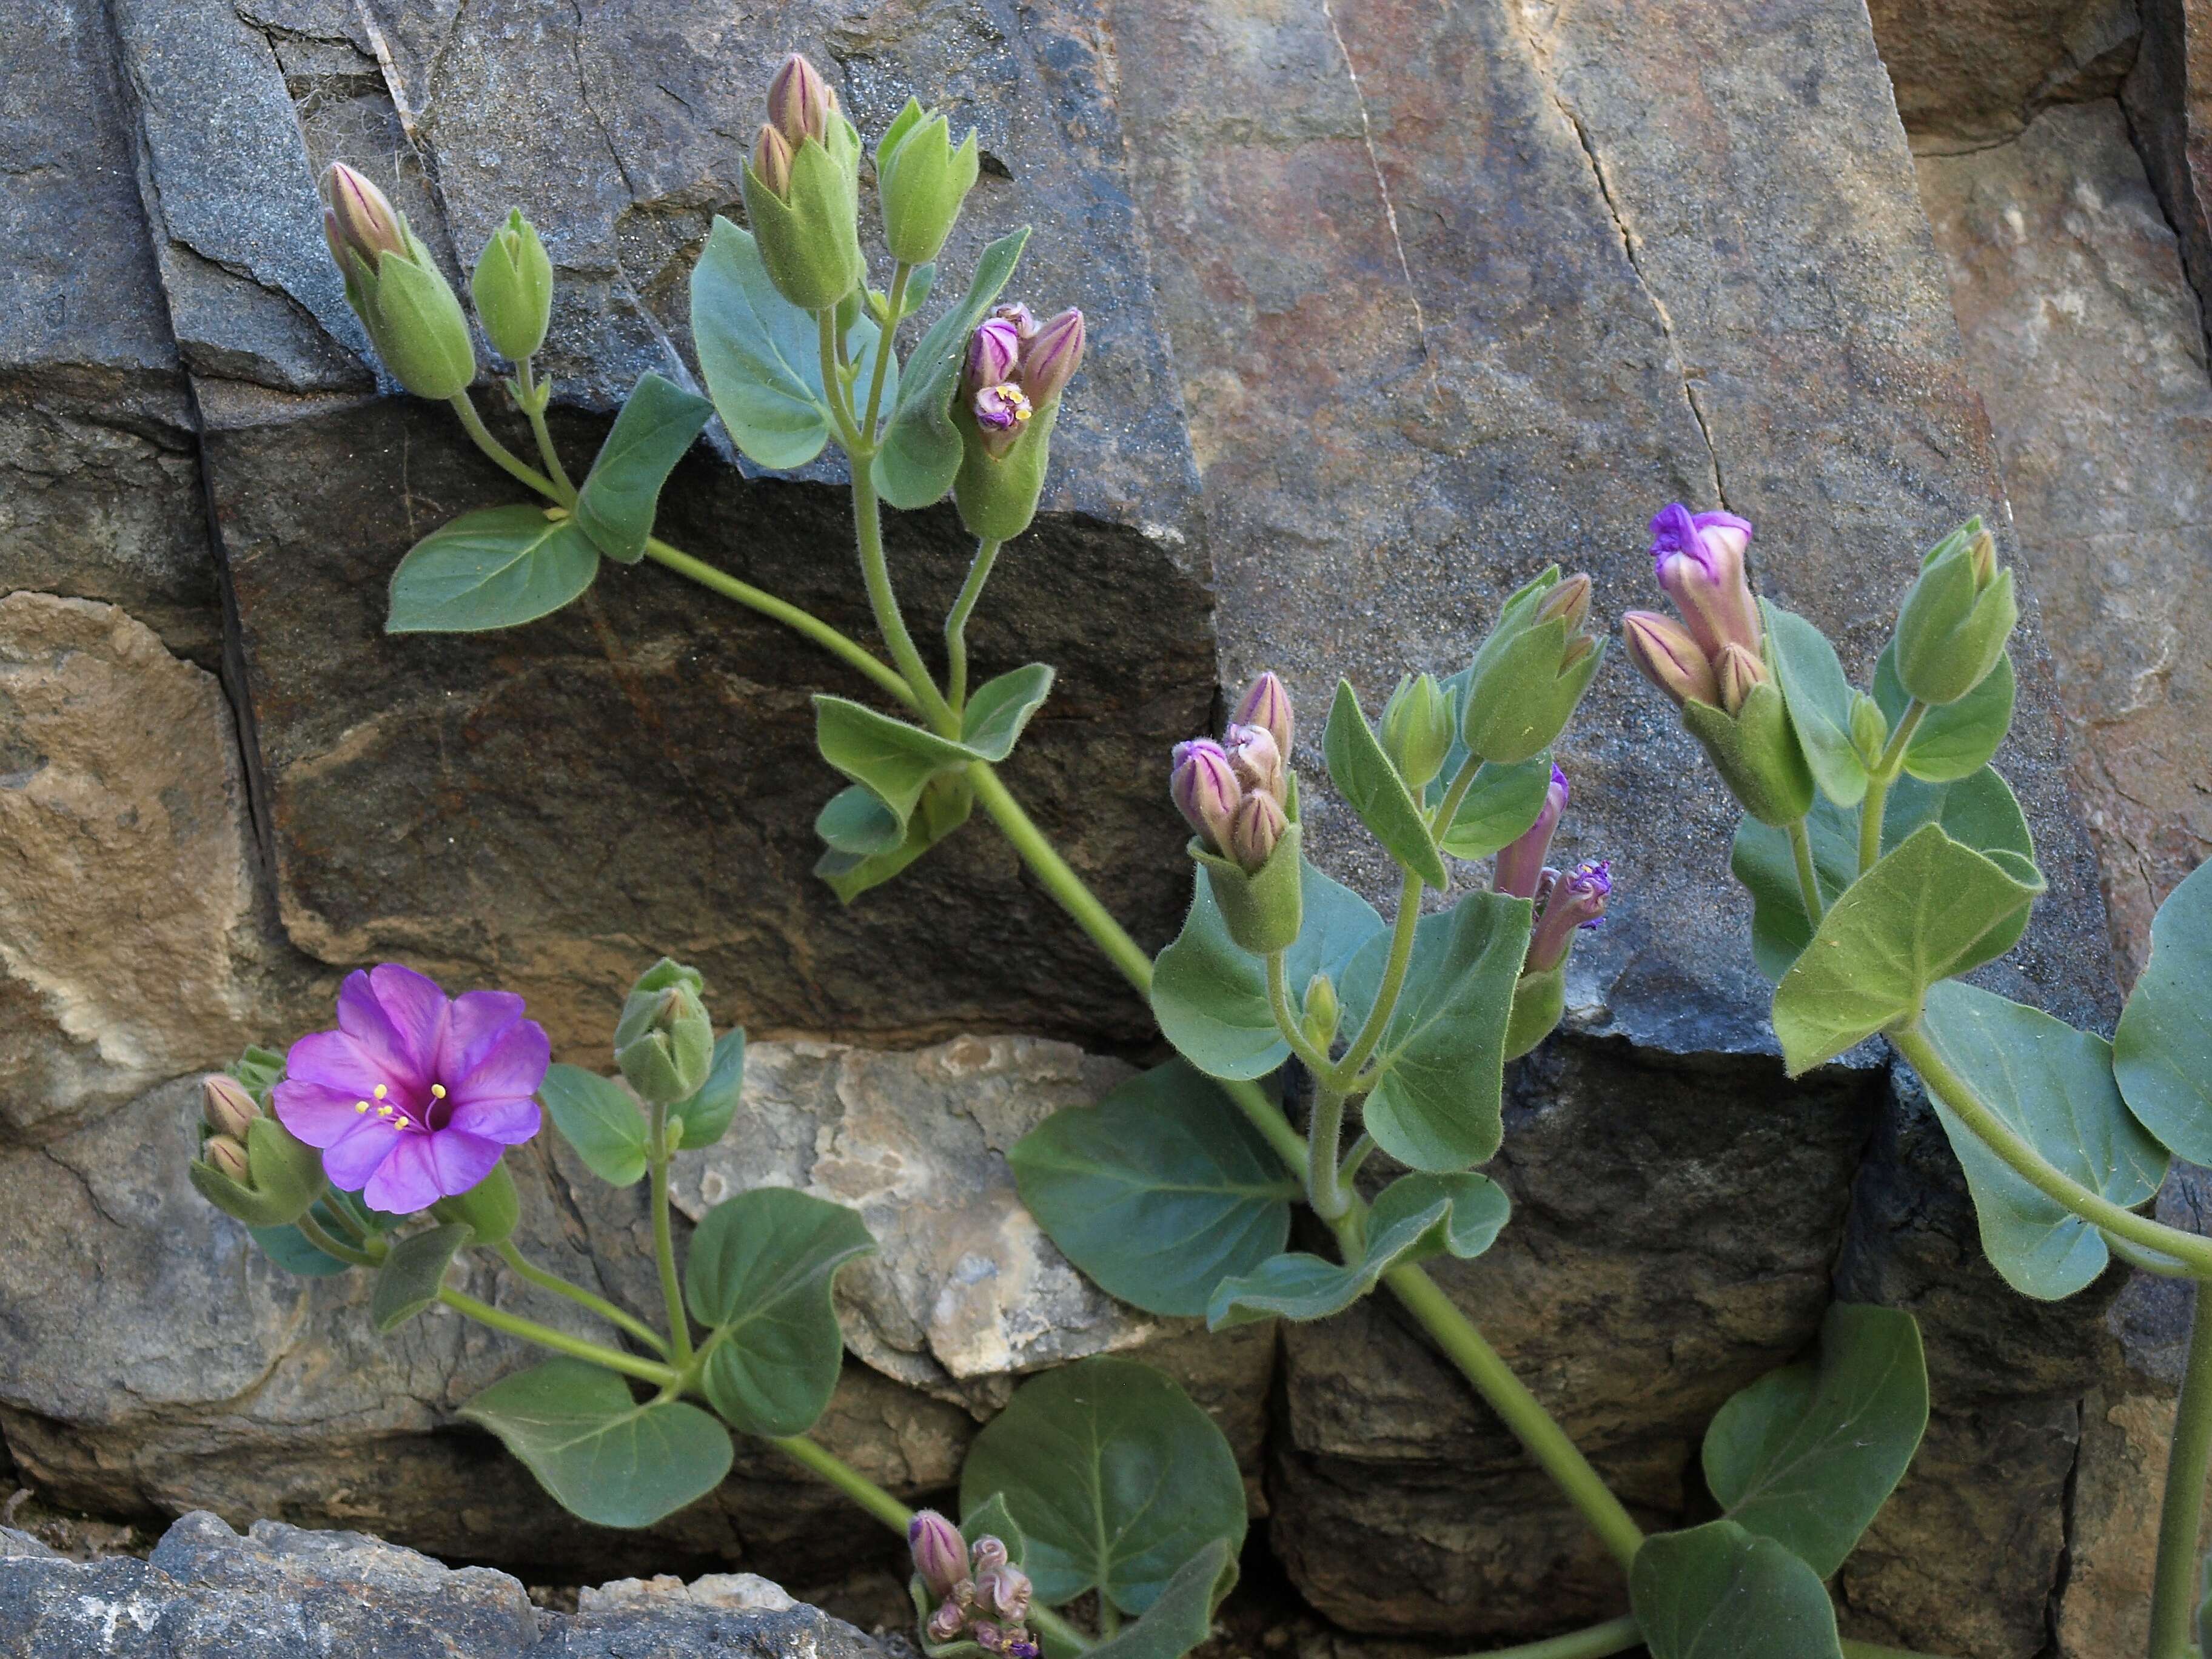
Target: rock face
1969 73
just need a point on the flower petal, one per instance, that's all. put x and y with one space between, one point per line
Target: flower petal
317 1113
337 1062
460 1159
353 1159
510 1064
476 1022
408 1180
416 1008
509 1121
362 1019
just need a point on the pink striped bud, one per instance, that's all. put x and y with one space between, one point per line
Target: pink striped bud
772 161
1663 651
1738 670
1699 560
229 1110
1267 704
358 220
940 1555
799 101
226 1157
994 350
1254 832
1204 788
1521 863
1051 356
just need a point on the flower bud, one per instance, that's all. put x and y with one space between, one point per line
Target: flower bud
512 287
1570 600
947 1622
228 1109
940 1555
1737 671
1323 1011
1004 1591
1569 903
921 181
1051 356
1520 864
989 1552
799 101
1417 729
1266 704
772 161
1869 728
1001 411
226 1156
1699 560
1026 324
664 1042
1256 761
1205 789
359 221
988 1637
1953 627
1665 655
993 351
1253 832
395 287
1532 671
1982 557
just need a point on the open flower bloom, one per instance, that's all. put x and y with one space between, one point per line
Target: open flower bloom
416 1094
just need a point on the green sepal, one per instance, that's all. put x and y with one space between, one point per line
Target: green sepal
997 495
1949 634
666 1059
410 1280
1819 698
1519 698
1263 910
257 1070
1756 753
512 287
921 180
416 320
489 1209
706 1116
1540 999
810 241
1372 785
285 1173
944 805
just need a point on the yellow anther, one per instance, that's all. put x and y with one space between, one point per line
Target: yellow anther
361 1105
384 1112
438 1091
381 1092
401 1121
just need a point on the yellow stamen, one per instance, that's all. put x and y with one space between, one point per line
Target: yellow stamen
438 1091
381 1092
384 1112
401 1121
361 1105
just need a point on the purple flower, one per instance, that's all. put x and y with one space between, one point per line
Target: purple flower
1267 704
415 1095
1019 315
1256 761
1001 411
993 351
1567 904
1698 559
1520 864
1050 357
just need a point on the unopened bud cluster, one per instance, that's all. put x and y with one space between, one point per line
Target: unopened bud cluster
1565 904
230 1112
1234 793
1016 368
981 1595
1954 624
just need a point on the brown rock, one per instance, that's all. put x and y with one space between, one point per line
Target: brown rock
1970 72
2118 1486
2169 103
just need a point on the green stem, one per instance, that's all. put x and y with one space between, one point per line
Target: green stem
529 1270
664 1246
647 1371
1109 1617
1884 774
956 621
833 387
2173 1595
1346 1072
886 347
2001 1138
347 1225
508 462
1614 1635
1348 1171
847 650
1286 1020
1067 887
311 1230
1323 1136
1809 879
891 623
533 406
833 1469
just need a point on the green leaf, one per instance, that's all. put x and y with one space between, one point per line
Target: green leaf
601 1455
1931 909
1977 811
706 1115
760 354
945 803
1000 709
993 1519
1952 740
2054 1085
1718 1592
759 1274
492 569
597 1117
1210 996
1370 786
893 761
1497 808
287 1246
921 450
853 820
1158 1192
1114 1478
1808 1455
409 1280
2162 1053
1182 1618
1439 1105
619 502
1417 1217
1819 702
1540 999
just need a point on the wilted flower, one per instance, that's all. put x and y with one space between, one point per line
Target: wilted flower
1204 788
947 1622
1564 905
1015 370
940 1555
1003 1589
1266 703
1001 411
415 1095
1256 761
1520 864
1019 315
989 1552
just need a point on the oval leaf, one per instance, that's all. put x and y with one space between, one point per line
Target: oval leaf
1001 710
2054 1084
893 761
1498 806
597 1117
1182 1618
921 452
2162 1053
1159 1192
1819 701
1114 1478
619 502
945 805
494 569
708 1113
853 820
601 1455
1370 786
1808 1456
760 354
1717 1590
1930 909
759 1275
1957 739
409 1280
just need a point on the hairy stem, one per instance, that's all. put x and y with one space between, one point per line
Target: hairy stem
508 462
1884 774
533 406
1323 1191
1286 1018
956 621
577 1348
664 1246
2173 1595
531 1272
1598 1641
1343 1074
313 1232
1809 879
887 345
891 621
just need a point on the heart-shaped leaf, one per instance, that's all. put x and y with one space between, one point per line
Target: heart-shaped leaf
921 450
945 803
2054 1085
1210 995
1819 698
1497 808
597 1117
619 502
1159 1192
601 1454
1114 1478
707 1114
1439 1104
1808 1455
1718 1592
1182 1618
760 354
1001 710
1365 776
1931 909
2162 1053
496 567
759 1274
893 761
409 1281
1956 740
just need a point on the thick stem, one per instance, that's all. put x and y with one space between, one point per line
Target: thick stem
664 1245
1345 1071
1323 1191
533 406
1884 774
1109 1617
647 1371
833 387
891 623
1066 887
2001 1138
1614 1635
530 1271
956 621
1809 879
311 1230
508 462
2173 1595
887 345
